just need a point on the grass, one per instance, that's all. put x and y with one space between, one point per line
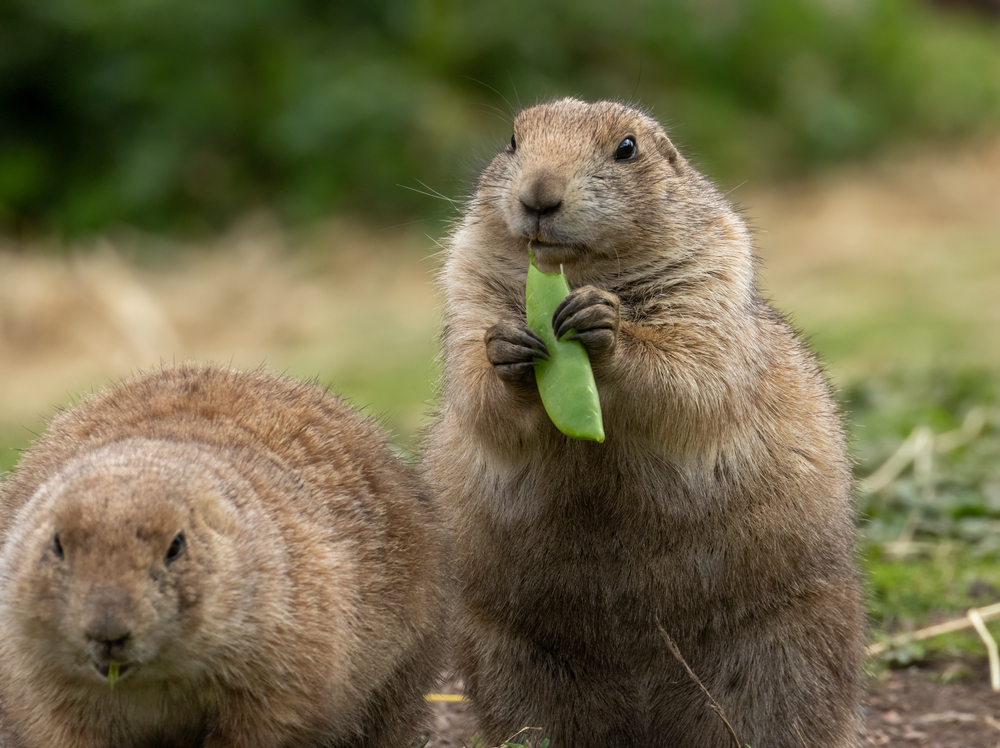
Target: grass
931 534
353 307
894 273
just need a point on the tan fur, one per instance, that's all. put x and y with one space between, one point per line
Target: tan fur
719 505
304 609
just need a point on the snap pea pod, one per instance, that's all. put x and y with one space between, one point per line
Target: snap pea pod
566 381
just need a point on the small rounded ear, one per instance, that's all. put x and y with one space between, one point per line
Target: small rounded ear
667 150
217 514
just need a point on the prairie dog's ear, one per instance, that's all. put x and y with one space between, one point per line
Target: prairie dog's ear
667 150
217 514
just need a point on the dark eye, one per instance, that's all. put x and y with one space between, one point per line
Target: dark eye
176 549
626 149
57 547
513 143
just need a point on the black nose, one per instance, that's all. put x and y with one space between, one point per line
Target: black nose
541 207
108 635
542 193
112 649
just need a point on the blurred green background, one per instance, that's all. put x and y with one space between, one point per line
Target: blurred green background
178 115
252 182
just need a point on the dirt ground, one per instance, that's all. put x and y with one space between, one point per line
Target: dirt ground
910 708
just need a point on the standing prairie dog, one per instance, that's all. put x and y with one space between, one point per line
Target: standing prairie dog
243 549
719 506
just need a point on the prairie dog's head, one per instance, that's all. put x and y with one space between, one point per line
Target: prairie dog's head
582 182
109 568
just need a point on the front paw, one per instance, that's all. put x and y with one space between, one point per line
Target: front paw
512 349
594 314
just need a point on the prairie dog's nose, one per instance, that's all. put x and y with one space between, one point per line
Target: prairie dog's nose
108 630
542 192
108 619
109 638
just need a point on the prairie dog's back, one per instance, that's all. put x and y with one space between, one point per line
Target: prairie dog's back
243 550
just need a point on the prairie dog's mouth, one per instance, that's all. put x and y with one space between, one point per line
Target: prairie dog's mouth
555 245
104 669
555 253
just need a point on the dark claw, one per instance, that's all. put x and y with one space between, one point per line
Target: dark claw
515 373
529 341
512 349
585 309
594 314
598 338
508 342
501 352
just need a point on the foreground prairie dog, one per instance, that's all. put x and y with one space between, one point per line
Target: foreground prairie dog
244 548
719 507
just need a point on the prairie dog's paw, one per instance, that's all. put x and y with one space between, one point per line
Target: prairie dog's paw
512 349
594 314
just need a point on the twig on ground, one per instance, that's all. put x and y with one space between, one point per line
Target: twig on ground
798 732
715 704
949 716
991 648
991 721
509 742
986 614
919 448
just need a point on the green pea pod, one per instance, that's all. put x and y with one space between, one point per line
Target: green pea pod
566 381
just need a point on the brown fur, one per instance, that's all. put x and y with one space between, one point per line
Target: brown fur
719 505
303 610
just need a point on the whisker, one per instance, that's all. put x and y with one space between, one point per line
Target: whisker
428 191
510 120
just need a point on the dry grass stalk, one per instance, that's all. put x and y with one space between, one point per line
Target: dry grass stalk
989 720
715 704
991 647
919 447
985 614
799 733
519 735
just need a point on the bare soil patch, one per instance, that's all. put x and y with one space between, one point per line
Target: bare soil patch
916 707
913 707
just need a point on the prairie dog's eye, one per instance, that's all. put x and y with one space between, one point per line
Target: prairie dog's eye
513 143
176 549
57 547
626 149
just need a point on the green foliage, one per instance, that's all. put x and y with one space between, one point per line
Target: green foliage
182 114
954 495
